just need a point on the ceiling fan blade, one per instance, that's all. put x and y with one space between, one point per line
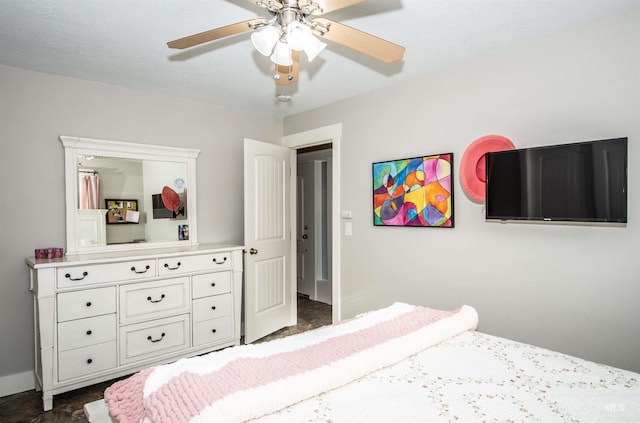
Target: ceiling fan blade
331 5
214 34
360 41
285 71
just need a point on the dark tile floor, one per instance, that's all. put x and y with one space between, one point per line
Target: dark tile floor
68 407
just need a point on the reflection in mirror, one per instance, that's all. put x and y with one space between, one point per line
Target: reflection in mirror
139 198
127 196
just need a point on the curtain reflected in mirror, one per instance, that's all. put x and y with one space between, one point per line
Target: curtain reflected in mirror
88 190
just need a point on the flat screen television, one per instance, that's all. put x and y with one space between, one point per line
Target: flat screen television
580 182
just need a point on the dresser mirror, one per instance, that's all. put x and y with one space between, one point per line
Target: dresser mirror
125 196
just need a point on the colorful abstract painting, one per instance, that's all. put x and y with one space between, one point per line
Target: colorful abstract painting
414 192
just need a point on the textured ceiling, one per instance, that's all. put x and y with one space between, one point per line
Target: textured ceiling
123 42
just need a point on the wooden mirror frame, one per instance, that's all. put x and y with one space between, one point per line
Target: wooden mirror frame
75 146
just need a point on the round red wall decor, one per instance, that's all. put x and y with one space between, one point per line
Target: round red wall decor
472 165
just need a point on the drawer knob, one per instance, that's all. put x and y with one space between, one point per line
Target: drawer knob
84 275
213 284
156 340
155 301
88 304
213 330
146 268
89 361
213 307
172 268
215 260
89 332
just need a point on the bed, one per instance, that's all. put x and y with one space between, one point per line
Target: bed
401 363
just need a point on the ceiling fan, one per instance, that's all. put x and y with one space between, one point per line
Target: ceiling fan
293 28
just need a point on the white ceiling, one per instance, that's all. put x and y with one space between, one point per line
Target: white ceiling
123 42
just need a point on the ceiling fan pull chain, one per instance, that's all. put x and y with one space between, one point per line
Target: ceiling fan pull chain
276 75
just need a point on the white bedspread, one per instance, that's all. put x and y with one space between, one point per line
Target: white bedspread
475 377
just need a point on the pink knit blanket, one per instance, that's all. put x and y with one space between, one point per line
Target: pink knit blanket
246 382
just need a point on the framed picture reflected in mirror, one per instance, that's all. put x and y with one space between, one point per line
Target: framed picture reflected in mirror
122 211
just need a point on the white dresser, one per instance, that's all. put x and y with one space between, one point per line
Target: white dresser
101 316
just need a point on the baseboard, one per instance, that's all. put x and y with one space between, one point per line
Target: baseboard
19 382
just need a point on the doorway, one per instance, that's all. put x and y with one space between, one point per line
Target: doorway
331 135
313 230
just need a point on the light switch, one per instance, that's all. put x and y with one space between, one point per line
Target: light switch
348 230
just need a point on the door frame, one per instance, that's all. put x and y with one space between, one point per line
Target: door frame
323 135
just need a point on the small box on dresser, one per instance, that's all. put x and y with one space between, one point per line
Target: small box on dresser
105 315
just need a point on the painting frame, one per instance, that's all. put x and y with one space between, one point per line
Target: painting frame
117 211
415 192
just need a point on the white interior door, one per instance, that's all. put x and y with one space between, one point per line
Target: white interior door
269 294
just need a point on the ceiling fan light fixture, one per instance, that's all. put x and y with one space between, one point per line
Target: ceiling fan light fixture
265 39
282 54
314 47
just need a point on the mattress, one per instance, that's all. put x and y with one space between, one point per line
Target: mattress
402 363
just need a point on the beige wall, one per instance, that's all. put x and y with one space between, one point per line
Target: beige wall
35 109
571 288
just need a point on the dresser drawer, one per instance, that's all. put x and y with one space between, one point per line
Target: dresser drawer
162 336
69 277
211 284
214 330
84 332
87 360
147 300
211 307
86 303
199 263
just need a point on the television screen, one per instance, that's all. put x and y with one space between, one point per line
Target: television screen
581 182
